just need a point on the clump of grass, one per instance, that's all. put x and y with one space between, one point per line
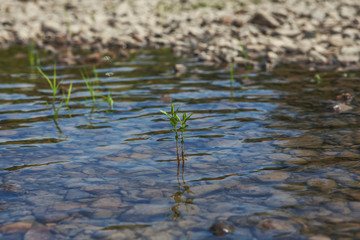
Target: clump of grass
89 84
93 84
53 84
174 120
231 73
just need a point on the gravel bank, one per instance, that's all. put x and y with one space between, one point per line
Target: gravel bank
258 32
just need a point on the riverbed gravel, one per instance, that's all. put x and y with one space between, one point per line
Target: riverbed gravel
250 33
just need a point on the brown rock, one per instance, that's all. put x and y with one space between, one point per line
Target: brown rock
274 176
276 225
345 97
15 227
322 183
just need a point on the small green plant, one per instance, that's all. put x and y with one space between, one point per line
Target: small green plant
174 120
182 128
110 100
231 73
89 84
68 95
316 79
53 85
93 84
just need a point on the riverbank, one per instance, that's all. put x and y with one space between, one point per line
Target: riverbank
253 33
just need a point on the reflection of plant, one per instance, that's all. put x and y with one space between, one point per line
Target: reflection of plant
174 119
34 59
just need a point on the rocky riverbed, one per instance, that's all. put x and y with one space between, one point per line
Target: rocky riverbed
250 33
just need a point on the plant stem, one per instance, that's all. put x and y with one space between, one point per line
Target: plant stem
177 145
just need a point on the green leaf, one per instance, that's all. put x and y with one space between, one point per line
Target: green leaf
46 77
68 96
178 119
188 117
165 113
172 109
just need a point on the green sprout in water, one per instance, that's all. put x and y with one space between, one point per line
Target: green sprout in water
317 79
182 128
53 84
231 73
89 84
174 119
93 84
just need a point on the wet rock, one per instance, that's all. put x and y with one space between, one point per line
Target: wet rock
319 237
274 176
180 69
73 194
221 228
322 183
342 108
107 203
206 189
276 225
126 234
38 232
15 227
305 141
281 200
67 230
345 97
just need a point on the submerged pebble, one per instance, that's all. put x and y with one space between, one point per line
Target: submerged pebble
222 228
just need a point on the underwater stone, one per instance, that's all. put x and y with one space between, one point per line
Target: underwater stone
221 228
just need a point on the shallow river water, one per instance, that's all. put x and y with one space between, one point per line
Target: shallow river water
264 153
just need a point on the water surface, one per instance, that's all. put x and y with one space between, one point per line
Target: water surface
264 153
